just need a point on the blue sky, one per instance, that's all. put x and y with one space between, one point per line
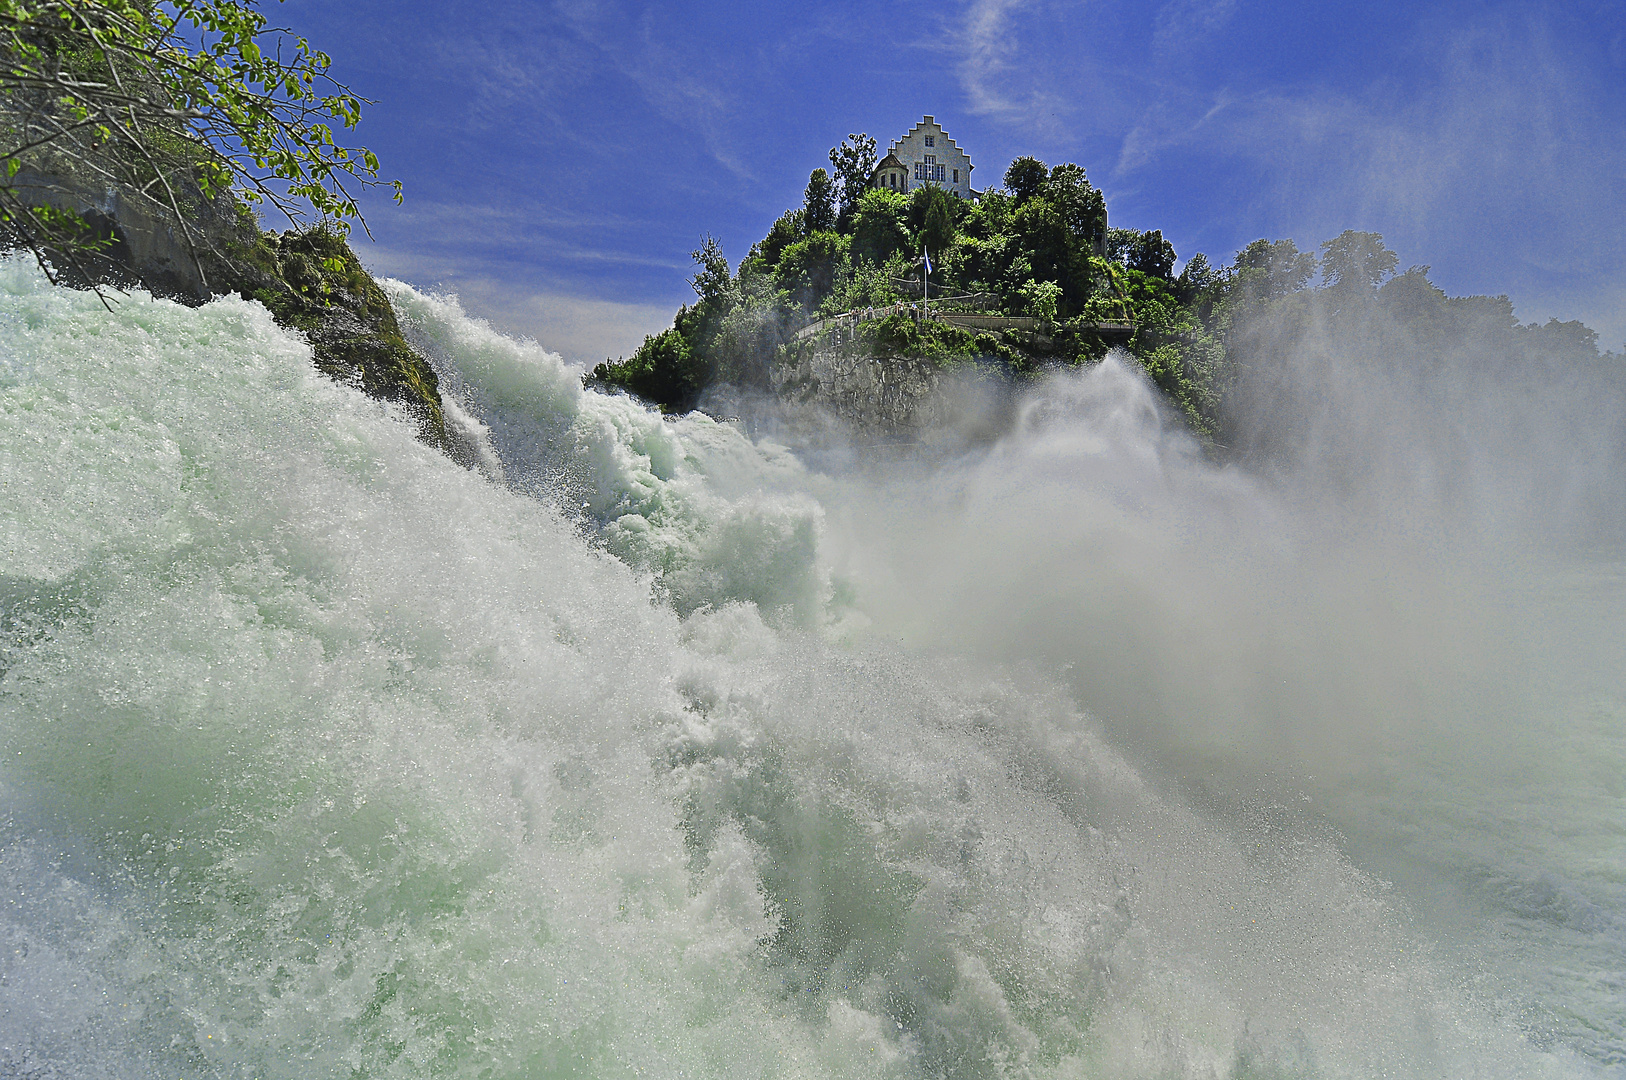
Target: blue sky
561 159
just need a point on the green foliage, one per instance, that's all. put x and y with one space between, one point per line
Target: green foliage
1041 298
881 226
807 269
1354 260
665 370
1184 359
1034 254
1195 277
764 255
1042 249
1046 246
1082 208
900 335
1273 268
853 163
819 203
713 282
1153 255
165 96
1147 252
1025 178
931 217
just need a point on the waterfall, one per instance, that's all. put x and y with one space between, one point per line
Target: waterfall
632 745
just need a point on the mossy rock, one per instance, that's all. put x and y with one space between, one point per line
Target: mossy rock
313 282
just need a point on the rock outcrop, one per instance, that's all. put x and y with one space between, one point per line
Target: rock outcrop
311 281
896 395
883 393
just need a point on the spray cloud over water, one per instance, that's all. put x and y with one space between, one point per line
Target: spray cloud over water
327 756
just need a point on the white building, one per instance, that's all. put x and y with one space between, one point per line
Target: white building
925 156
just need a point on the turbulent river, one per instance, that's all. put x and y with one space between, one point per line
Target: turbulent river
635 746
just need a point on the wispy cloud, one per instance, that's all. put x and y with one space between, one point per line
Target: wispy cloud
1495 107
669 78
995 65
584 330
526 233
529 282
1180 22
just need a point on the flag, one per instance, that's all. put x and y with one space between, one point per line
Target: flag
928 255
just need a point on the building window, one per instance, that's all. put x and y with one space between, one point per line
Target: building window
917 170
956 176
931 140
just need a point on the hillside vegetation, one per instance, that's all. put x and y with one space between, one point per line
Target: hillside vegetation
1039 246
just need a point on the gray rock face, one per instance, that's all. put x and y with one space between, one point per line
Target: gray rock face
895 395
185 261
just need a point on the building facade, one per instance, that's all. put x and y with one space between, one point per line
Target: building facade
891 173
926 155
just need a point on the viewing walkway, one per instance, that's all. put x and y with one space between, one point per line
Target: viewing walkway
970 321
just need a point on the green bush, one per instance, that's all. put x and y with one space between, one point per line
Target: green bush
665 370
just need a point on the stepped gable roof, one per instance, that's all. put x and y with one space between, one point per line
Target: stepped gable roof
928 121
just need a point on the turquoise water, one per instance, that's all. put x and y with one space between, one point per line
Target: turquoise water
646 747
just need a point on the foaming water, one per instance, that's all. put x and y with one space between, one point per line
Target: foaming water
639 748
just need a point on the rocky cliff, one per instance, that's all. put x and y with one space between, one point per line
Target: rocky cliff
888 394
311 282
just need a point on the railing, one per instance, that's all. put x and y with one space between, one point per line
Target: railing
1105 327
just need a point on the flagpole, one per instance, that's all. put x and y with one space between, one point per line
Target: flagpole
925 280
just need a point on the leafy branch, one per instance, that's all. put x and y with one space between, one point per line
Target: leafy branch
172 101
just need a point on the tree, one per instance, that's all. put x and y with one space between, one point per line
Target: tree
818 203
1120 242
853 163
807 269
1082 208
718 294
784 232
1042 237
1152 255
1041 298
712 282
880 225
931 212
1195 276
1574 339
665 370
1356 259
170 101
1025 178
1269 269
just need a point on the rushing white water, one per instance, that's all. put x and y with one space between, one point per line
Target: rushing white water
644 749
